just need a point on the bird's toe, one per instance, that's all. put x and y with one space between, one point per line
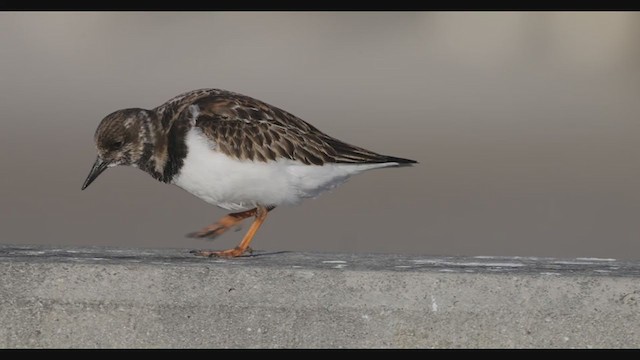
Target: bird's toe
235 252
210 232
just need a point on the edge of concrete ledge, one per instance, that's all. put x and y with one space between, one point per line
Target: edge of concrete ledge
99 297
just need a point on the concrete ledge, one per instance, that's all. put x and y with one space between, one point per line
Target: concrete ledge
100 297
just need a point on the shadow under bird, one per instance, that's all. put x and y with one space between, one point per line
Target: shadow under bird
232 151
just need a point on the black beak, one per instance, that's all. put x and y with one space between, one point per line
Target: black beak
98 167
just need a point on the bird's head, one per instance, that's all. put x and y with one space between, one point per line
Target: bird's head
120 140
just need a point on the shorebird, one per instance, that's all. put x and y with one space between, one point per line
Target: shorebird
232 151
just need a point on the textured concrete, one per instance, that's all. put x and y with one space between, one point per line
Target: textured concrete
100 297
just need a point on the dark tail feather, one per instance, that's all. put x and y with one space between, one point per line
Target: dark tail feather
400 161
346 153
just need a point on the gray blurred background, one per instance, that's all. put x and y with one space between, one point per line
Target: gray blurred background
525 125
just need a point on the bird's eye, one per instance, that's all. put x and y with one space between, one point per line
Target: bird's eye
117 144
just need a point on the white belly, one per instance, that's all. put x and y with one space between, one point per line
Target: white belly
238 185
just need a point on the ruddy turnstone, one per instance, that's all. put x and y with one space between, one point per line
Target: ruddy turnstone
232 151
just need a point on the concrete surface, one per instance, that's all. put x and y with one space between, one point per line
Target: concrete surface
109 297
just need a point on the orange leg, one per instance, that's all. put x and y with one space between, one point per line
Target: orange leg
224 224
261 214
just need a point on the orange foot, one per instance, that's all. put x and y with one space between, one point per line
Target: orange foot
260 213
224 224
235 252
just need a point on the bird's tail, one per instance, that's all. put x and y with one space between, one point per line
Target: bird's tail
400 161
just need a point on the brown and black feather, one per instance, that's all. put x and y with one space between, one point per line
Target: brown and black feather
248 129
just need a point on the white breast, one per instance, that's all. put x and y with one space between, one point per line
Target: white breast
239 184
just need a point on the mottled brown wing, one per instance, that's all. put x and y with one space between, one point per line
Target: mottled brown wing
249 129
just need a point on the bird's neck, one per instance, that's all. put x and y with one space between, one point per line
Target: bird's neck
164 146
